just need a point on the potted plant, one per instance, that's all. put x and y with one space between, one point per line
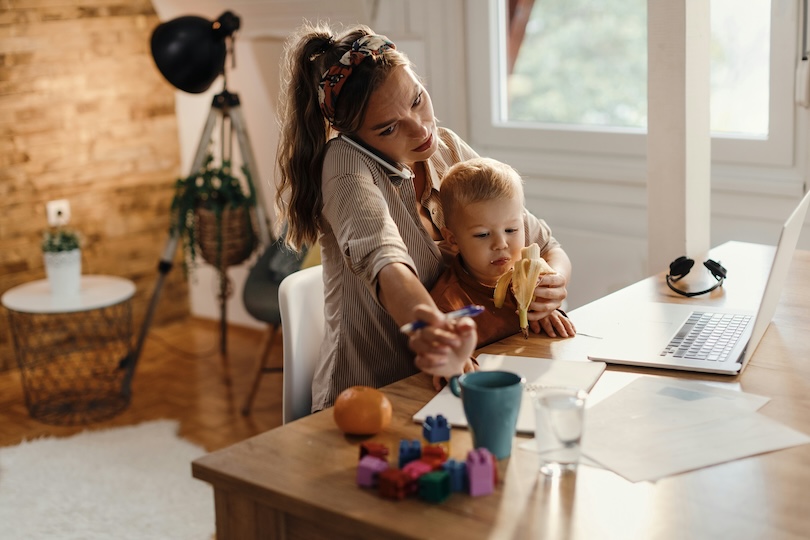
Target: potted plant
61 250
211 210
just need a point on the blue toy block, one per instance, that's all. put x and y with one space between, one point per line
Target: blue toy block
436 430
481 472
457 470
434 486
409 451
368 469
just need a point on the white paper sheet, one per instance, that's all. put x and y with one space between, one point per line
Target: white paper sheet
657 427
539 371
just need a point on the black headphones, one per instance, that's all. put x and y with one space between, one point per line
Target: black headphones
681 266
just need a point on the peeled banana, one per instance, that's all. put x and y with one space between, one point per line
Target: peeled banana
523 278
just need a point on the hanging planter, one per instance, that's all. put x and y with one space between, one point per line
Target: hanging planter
225 238
61 250
211 212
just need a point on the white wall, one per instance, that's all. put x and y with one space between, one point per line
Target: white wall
600 216
255 78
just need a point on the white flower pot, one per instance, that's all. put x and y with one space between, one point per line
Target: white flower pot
64 271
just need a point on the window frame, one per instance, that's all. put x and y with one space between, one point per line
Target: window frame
572 146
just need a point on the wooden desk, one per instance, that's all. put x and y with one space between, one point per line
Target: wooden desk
298 481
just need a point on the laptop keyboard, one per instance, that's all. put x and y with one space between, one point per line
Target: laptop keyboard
707 336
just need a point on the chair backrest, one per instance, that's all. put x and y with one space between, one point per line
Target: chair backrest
301 301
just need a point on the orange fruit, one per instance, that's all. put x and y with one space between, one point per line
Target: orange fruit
362 410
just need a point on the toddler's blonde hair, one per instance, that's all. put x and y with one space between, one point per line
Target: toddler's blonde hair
476 180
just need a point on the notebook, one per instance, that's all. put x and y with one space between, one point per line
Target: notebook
537 371
664 335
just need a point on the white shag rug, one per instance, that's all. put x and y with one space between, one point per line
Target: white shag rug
125 483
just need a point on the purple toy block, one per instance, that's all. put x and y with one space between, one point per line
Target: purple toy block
481 472
436 430
458 474
409 451
368 469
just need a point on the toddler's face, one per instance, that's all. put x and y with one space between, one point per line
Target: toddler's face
489 235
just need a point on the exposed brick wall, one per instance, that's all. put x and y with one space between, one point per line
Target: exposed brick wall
86 116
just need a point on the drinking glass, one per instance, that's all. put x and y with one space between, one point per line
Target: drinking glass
559 416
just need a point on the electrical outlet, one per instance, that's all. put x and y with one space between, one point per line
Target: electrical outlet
58 212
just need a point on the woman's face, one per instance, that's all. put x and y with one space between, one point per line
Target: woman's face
399 121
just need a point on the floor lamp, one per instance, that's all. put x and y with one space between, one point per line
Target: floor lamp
191 52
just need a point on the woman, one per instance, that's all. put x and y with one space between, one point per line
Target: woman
361 159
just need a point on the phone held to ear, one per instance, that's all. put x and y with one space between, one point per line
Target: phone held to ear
404 173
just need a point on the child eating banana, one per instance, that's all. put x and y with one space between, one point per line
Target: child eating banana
482 201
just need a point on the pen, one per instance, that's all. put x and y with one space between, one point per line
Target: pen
466 311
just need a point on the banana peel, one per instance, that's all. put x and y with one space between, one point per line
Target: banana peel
523 279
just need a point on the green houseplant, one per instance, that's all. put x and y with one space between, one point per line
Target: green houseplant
60 239
211 210
61 250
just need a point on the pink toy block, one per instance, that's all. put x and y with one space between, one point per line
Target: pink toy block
481 472
369 469
414 470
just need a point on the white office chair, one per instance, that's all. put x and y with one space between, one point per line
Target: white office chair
300 298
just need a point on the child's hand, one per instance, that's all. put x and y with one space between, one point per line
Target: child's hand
443 348
556 324
548 297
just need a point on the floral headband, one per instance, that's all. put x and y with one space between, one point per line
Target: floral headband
332 82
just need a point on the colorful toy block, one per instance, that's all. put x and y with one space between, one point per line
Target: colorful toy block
370 448
434 455
417 468
409 451
457 470
395 484
426 469
369 469
436 430
481 472
434 486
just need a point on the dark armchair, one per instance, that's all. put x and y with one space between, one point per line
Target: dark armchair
260 297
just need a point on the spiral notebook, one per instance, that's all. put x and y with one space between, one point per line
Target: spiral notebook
537 371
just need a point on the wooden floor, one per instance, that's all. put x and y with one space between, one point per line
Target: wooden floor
179 376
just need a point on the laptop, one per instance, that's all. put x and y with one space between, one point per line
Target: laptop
700 338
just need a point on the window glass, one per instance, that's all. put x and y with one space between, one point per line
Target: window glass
576 62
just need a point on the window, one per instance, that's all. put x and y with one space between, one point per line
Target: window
571 76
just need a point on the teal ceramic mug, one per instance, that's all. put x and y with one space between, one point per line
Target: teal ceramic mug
491 401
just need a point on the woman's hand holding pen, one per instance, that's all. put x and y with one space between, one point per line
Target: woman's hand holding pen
443 347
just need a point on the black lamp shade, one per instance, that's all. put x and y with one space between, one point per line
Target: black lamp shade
190 52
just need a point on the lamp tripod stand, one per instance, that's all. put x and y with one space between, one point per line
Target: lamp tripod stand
226 109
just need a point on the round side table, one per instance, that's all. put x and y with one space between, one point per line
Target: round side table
72 350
